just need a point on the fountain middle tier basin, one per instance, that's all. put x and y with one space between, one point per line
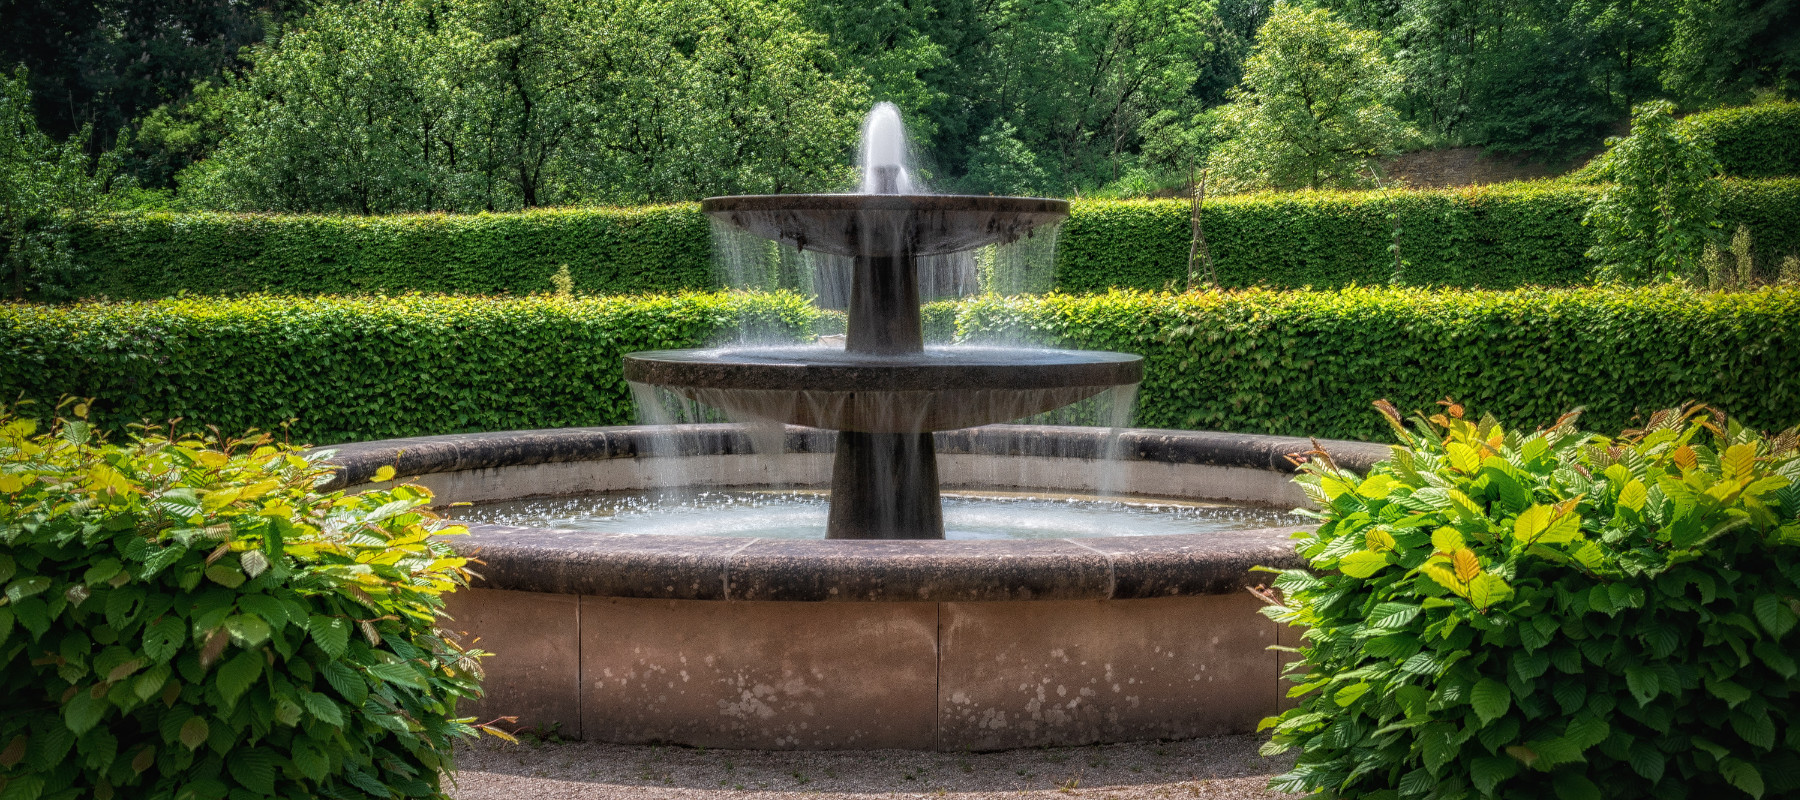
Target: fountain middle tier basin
886 224
941 388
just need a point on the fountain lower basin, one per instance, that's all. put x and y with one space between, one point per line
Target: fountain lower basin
847 644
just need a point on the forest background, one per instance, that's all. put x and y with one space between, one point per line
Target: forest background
470 105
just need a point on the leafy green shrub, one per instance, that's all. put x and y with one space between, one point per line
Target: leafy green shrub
1660 207
1499 614
607 251
1760 141
1309 363
186 618
1496 237
369 368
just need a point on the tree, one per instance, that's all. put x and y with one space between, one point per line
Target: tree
103 63
1075 80
1313 109
505 104
46 189
1660 212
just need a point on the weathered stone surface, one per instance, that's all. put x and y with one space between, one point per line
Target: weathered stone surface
534 672
891 571
1212 563
774 676
600 564
1069 673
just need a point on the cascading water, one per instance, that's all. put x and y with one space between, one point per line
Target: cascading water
878 254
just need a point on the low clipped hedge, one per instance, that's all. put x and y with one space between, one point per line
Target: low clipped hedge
186 619
1309 363
353 369
1760 141
1494 237
1254 361
1502 613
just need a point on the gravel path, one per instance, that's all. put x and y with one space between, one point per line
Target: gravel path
1225 768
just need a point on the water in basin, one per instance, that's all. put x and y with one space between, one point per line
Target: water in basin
800 514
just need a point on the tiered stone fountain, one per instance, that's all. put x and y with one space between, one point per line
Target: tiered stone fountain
885 392
618 634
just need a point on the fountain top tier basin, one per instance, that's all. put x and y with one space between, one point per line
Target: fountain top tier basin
939 388
886 224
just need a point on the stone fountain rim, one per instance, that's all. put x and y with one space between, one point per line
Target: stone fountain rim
662 567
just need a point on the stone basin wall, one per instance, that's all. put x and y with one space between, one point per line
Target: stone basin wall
815 644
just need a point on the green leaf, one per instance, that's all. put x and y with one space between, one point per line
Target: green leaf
309 762
1774 615
254 769
323 708
238 675
1488 771
1647 761
163 638
1487 589
332 634
1643 684
1349 694
1392 615
1574 786
83 711
225 575
247 630
1491 700
1731 693
21 588
194 732
1363 563
1742 775
403 674
345 682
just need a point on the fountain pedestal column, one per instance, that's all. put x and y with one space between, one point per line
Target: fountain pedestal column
884 485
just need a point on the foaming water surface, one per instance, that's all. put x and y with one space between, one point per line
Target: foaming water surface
801 514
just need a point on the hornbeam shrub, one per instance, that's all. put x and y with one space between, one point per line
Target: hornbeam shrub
1494 613
187 619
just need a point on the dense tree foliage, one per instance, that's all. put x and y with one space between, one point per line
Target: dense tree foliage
1314 106
473 104
1661 204
46 189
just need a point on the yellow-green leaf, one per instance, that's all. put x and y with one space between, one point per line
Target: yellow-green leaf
1362 563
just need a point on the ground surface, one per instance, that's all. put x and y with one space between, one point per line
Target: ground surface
1226 768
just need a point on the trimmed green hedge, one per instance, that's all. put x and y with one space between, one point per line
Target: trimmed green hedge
1310 363
608 250
1761 141
371 368
1253 361
1496 237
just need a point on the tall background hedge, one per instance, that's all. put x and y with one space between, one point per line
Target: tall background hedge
1255 361
1496 237
1760 141
610 250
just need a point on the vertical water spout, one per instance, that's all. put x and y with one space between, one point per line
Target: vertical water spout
884 152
